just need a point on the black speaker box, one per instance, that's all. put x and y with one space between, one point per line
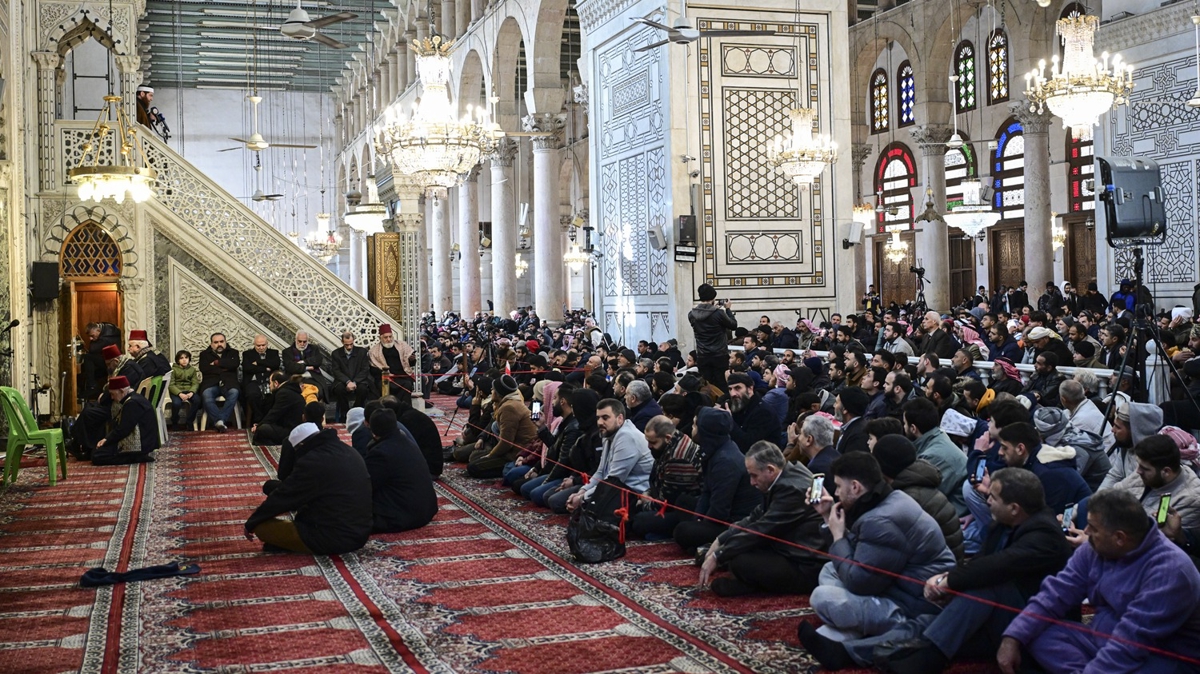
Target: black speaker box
44 281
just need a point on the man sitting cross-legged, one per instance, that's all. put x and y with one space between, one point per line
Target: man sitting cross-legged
1024 545
774 549
329 490
1144 589
877 532
402 488
286 410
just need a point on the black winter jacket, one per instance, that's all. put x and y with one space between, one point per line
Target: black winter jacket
402 488
923 482
753 423
425 434
711 325
287 408
329 490
784 514
1036 549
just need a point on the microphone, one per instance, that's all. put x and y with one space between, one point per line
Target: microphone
11 325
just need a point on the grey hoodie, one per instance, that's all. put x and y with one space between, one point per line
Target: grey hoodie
1144 420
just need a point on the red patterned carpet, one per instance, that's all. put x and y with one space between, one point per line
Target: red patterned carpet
486 587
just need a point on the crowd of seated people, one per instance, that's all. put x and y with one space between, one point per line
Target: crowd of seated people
912 480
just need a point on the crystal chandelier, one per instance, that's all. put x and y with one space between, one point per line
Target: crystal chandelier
1058 233
863 213
973 216
1084 88
521 266
323 246
365 217
576 258
434 147
800 155
125 176
896 249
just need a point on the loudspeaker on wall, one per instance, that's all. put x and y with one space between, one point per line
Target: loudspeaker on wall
658 240
43 281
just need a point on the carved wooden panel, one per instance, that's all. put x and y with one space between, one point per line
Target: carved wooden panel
1008 256
1080 254
383 274
896 283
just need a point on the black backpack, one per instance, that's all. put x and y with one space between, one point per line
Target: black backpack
596 532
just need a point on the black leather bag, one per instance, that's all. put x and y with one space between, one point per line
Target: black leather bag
596 532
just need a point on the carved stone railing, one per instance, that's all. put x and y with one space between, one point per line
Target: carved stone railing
243 249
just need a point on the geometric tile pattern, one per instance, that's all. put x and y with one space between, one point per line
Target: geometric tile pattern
763 246
754 189
757 61
908 94
90 251
997 67
964 64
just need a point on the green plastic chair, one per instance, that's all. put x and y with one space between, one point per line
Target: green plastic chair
23 431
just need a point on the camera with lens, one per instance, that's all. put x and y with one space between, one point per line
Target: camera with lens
919 271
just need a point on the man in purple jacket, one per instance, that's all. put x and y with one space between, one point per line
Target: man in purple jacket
1145 590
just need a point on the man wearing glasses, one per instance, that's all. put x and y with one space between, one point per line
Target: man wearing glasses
302 358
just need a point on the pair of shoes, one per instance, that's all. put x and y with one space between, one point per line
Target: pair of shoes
75 450
728 586
831 654
913 656
220 426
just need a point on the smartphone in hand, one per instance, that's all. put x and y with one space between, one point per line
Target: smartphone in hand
535 411
1164 507
815 489
1068 521
980 471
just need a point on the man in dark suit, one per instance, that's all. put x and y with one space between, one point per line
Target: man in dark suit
850 406
219 377
257 365
302 358
286 411
134 432
94 373
771 549
351 370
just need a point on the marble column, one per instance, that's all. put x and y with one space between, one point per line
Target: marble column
400 68
477 9
447 19
443 279
859 153
932 242
410 69
1039 253
504 228
47 64
423 299
387 94
130 69
550 293
468 243
462 17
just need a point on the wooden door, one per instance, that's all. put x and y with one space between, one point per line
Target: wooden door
1080 253
84 302
896 283
962 268
1007 251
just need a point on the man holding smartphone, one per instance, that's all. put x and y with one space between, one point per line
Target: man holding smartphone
1160 473
711 322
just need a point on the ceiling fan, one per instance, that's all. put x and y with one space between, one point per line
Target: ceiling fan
299 26
682 32
258 191
256 143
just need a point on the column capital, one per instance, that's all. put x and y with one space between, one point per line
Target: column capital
1031 122
505 153
859 153
46 60
128 63
408 222
472 176
438 193
581 94
551 125
932 138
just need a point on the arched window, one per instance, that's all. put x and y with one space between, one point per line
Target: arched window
1079 172
880 118
1008 171
997 67
907 86
895 176
960 165
89 251
964 67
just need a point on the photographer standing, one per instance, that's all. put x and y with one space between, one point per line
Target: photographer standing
711 322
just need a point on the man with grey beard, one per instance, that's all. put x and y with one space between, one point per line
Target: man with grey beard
751 420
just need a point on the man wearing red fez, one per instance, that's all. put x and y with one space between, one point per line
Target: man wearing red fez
153 363
121 365
133 433
394 355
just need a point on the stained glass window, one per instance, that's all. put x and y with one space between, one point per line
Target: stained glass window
895 176
1008 171
960 165
997 67
964 67
880 118
908 94
1079 172
90 251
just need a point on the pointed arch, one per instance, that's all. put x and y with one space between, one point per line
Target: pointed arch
81 26
880 101
964 68
906 87
1008 170
895 178
998 67
89 252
